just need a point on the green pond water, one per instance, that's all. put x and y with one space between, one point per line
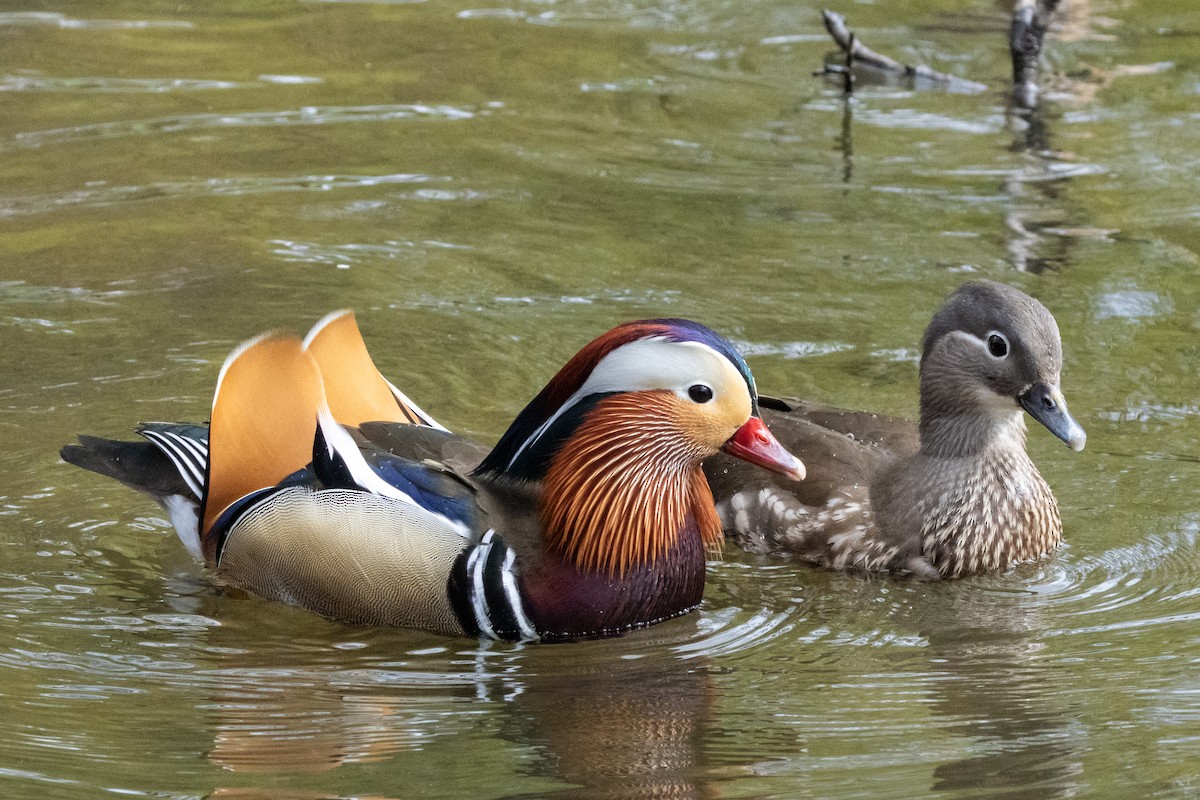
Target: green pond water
489 186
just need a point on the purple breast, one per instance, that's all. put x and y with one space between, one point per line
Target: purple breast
565 602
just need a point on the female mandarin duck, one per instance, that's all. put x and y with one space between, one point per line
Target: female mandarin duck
590 516
955 495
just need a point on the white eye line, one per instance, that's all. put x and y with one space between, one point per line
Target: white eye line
982 343
641 365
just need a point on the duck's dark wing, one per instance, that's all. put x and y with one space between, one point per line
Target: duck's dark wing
841 450
896 436
421 443
509 507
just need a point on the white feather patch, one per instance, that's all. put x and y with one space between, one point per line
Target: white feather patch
185 517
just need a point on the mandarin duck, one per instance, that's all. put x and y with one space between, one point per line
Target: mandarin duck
956 494
591 516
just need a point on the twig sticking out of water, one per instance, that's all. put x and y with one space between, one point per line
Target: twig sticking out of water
858 53
1029 22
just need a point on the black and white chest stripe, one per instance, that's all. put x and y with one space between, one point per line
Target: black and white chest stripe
483 590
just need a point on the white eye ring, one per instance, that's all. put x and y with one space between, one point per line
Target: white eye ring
997 344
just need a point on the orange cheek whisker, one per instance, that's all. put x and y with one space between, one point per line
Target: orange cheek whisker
624 487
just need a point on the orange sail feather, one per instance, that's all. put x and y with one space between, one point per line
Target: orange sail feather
354 387
264 418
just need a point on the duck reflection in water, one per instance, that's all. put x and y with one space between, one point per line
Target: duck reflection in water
988 648
588 725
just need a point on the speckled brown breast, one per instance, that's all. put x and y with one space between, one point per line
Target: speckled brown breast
996 515
932 517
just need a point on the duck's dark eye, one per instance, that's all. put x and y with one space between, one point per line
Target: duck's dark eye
700 393
997 345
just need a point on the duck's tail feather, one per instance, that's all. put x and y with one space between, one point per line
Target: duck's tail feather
354 388
138 465
169 467
187 448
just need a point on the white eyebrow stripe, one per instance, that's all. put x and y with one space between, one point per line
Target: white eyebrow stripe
643 365
971 338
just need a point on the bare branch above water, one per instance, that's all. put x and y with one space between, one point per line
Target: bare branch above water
1030 20
859 54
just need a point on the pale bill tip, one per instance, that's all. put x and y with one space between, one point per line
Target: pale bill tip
1077 439
796 472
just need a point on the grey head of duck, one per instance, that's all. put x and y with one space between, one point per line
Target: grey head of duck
989 352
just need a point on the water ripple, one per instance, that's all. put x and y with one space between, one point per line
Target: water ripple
38 83
725 634
481 671
1046 172
907 118
491 13
1145 411
103 195
345 255
57 20
1147 584
101 85
21 293
308 115
790 350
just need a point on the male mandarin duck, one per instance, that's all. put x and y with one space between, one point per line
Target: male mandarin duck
955 494
319 484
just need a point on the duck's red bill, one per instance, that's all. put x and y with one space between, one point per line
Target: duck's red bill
757 445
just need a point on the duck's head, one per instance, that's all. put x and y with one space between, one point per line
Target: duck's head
990 351
617 438
675 381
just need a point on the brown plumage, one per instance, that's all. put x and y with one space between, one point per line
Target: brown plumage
263 447
954 495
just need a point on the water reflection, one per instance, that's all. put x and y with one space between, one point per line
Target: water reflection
321 710
1042 224
292 728
613 728
1042 229
628 718
629 729
1001 646
1035 196
1024 740
845 142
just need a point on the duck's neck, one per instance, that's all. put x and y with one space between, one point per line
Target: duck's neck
624 488
973 433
